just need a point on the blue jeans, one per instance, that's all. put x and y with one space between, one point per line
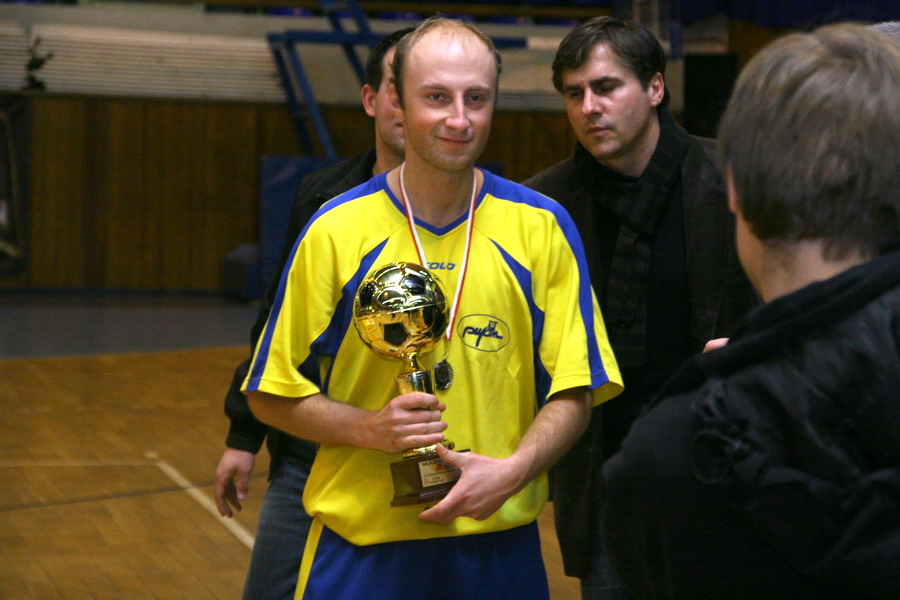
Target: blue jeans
280 535
602 582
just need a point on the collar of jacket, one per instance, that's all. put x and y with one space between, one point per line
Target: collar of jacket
776 323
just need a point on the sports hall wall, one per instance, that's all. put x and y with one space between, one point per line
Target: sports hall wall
150 193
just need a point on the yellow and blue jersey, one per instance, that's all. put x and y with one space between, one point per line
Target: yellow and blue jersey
528 326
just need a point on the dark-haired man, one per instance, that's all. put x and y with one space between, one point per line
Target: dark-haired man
770 468
651 208
283 524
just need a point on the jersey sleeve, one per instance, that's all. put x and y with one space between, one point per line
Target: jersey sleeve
574 347
284 361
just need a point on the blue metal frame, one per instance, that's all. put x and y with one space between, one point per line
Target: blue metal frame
300 96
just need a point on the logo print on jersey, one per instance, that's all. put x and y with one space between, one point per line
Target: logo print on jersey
483 332
441 266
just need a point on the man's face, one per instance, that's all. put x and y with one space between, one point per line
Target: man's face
611 112
378 104
450 83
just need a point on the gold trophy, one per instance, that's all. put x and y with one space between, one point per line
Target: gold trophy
400 311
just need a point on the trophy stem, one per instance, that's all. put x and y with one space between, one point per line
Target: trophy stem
416 379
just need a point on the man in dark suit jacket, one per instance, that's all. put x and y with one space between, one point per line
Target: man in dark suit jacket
651 207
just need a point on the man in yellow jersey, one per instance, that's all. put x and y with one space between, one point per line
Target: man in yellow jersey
283 524
520 395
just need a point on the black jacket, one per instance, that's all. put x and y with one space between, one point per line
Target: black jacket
245 431
772 467
720 295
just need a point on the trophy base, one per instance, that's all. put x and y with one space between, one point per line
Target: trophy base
422 479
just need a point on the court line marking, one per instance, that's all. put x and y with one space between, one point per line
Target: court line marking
73 463
236 529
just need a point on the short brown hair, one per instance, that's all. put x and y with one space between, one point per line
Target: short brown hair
635 46
374 66
811 136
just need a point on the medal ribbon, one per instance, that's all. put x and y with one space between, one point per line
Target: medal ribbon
470 220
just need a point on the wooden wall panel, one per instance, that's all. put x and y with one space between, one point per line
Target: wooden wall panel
55 208
747 38
150 194
123 204
224 211
276 130
170 130
528 142
139 194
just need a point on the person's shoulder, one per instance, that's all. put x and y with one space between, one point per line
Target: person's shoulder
534 208
658 439
702 152
341 176
551 178
364 189
707 145
504 189
333 213
700 168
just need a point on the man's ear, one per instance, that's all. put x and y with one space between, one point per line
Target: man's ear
395 97
368 94
656 88
733 200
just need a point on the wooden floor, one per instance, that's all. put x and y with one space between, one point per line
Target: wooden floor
107 465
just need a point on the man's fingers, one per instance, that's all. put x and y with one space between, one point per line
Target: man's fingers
232 480
715 344
223 507
417 417
419 401
242 486
449 508
443 512
233 498
431 432
450 457
222 493
417 441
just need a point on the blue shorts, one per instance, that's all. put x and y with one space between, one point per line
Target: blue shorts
488 566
